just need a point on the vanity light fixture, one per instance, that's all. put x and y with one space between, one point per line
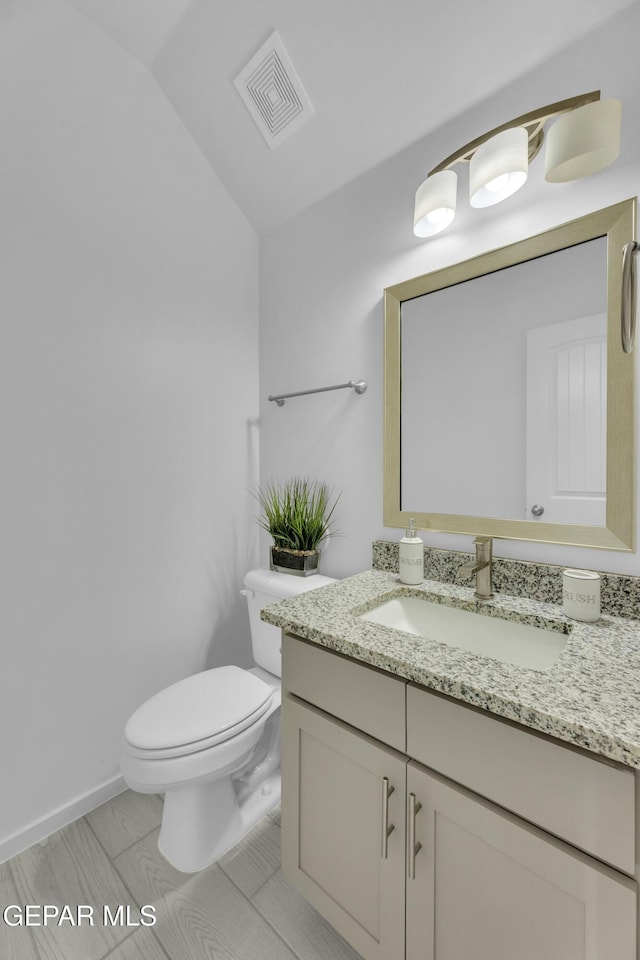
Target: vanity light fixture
584 139
435 203
499 167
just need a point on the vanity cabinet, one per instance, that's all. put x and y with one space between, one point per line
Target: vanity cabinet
339 786
489 886
405 860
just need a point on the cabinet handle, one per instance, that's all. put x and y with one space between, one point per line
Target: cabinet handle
414 848
386 830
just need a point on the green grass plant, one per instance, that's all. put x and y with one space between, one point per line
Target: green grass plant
297 512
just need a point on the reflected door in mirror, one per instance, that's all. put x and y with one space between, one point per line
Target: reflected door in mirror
567 421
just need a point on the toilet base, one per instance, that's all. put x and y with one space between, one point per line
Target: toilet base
202 821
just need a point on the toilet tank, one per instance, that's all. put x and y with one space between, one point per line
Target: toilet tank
267 586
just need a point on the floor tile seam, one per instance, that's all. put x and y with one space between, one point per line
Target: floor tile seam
112 949
247 899
112 859
280 935
266 880
38 953
275 930
258 888
139 839
236 885
259 912
118 945
114 867
134 900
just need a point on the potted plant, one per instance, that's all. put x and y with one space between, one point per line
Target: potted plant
297 514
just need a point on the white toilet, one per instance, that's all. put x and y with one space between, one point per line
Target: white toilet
211 743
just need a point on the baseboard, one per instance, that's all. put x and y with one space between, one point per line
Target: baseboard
39 830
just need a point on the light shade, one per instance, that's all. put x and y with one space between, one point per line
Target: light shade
583 141
435 203
499 167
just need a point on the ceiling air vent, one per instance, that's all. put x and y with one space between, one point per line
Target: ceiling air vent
272 91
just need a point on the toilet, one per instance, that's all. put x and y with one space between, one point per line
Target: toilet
211 743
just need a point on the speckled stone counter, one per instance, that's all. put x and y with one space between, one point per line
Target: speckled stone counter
620 595
590 697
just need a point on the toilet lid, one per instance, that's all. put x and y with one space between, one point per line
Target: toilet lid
219 701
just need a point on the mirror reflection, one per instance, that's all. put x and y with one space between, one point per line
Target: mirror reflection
504 392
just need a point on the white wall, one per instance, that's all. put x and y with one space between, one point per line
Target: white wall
128 379
322 277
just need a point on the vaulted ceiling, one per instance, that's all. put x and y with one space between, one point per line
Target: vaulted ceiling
379 74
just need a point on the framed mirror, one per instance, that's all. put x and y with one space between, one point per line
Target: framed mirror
509 401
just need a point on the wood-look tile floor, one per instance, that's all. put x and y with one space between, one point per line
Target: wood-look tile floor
239 908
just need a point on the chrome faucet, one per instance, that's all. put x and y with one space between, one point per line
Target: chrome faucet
481 567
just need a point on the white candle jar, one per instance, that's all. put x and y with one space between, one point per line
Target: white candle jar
581 595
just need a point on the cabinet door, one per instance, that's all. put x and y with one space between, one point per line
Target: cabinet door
335 803
489 886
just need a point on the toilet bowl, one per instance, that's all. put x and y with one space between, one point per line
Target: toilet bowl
211 743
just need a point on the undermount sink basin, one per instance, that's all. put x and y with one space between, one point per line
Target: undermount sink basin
507 640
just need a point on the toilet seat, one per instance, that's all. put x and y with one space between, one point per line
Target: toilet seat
197 713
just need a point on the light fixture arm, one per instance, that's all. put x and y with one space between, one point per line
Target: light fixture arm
533 122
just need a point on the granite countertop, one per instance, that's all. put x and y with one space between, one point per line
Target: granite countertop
590 697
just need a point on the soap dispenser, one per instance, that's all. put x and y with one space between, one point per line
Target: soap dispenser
411 552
